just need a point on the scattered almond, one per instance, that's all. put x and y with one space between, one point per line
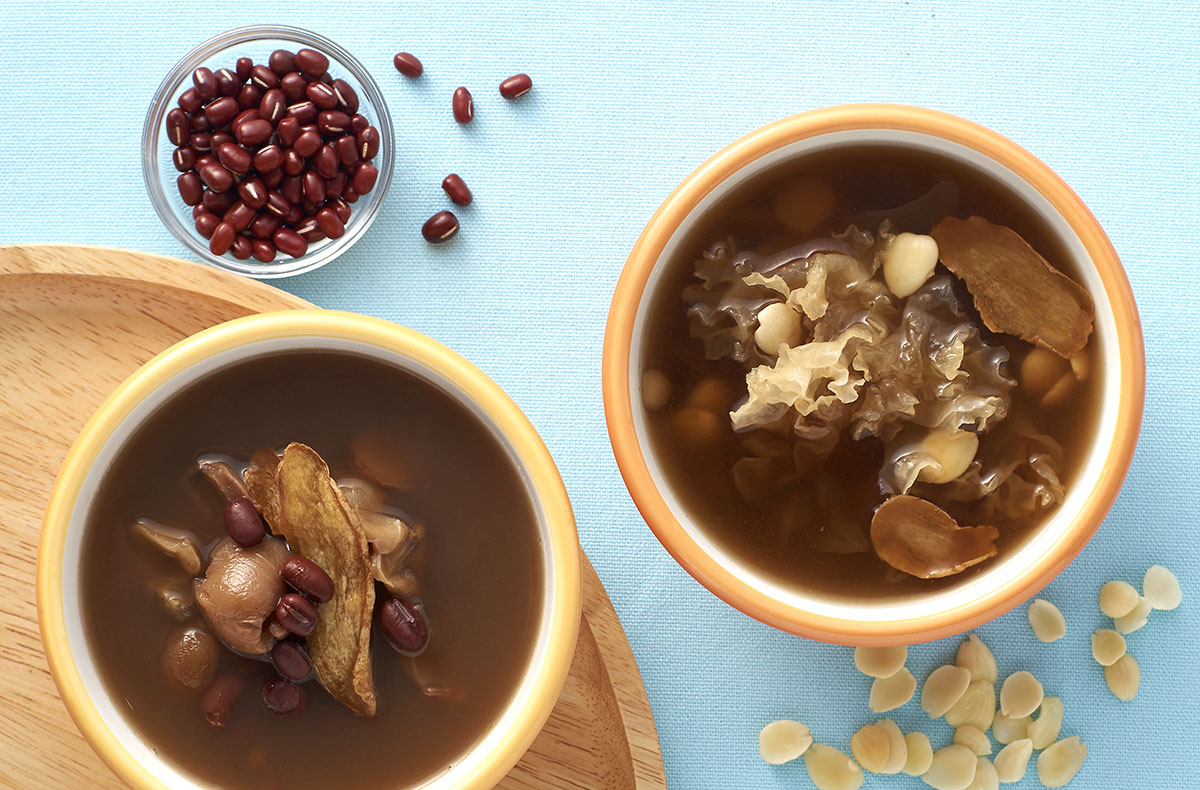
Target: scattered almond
1020 695
1161 588
953 768
897 747
829 769
986 777
1123 677
1135 619
1060 762
975 657
783 741
880 662
1118 598
871 748
944 687
920 753
1046 620
1013 760
974 739
891 692
1107 646
1045 730
1006 730
976 707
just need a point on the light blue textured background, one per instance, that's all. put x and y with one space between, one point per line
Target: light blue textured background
628 99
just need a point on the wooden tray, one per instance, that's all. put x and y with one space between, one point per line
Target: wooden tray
74 322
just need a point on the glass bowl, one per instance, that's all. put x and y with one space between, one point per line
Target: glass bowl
222 51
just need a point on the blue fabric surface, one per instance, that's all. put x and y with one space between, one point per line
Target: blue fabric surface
627 100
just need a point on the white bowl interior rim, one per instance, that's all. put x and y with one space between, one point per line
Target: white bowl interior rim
143 751
1000 572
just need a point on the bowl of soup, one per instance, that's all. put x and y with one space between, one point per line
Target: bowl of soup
309 549
873 374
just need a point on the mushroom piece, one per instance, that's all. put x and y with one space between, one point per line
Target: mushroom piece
175 596
392 540
240 592
177 543
921 539
227 482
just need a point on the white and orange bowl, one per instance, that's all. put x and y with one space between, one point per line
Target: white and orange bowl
1006 581
60 618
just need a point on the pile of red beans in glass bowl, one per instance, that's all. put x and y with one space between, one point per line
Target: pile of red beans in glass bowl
271 156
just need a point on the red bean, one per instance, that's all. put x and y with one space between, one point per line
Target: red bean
407 64
217 202
439 228
242 521
228 83
325 161
463 106
254 132
293 85
363 177
253 193
330 224
293 162
264 78
346 96
311 63
272 106
268 158
248 114
403 625
264 250
516 86
236 159
206 223
184 159
292 188
282 696
368 143
200 122
457 189
303 111
265 225
314 187
200 142
291 659
239 216
179 126
334 186
219 139
307 143
358 122
289 242
307 576
220 697
216 176
191 100
277 204
332 123
205 82
242 248
271 180
281 62
242 68
342 209
288 130
321 95
295 612
190 188
346 147
222 238
249 96
221 111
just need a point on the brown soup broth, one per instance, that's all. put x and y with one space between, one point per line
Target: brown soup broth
480 570
862 179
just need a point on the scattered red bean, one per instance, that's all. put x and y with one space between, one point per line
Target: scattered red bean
516 86
408 65
281 695
464 107
241 519
295 612
220 697
277 151
456 189
306 576
440 227
291 659
403 625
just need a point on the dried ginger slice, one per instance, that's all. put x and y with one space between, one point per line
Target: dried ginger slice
260 482
319 524
1015 289
921 539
